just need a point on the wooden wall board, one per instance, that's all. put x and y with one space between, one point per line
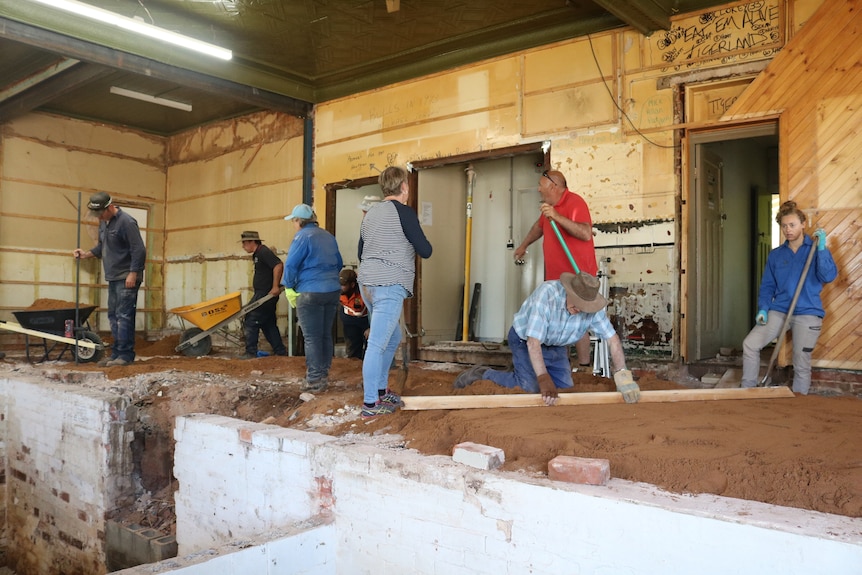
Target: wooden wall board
743 27
569 64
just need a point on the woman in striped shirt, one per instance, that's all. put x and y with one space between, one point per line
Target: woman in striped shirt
389 240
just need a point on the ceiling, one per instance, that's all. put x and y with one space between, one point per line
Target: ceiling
287 54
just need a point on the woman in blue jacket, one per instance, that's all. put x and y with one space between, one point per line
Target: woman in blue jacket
783 269
311 269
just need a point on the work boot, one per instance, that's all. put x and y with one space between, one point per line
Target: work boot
468 376
117 362
318 386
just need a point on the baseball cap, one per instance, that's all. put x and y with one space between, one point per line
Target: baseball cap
99 202
301 212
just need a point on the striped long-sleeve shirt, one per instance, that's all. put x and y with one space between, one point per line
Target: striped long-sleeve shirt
389 240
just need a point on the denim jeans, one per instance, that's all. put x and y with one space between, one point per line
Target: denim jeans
315 312
122 304
805 330
384 306
354 335
556 361
263 319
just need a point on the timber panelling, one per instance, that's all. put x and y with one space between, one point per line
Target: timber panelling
815 82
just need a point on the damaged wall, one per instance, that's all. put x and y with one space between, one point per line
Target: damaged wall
625 161
68 468
45 162
432 515
223 178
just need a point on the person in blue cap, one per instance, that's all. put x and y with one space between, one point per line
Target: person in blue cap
311 269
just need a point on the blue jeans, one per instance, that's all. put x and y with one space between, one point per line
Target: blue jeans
556 361
122 304
315 312
263 319
384 306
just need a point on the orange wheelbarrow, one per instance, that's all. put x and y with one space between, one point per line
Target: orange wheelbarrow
209 317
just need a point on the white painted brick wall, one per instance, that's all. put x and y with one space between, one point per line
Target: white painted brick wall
68 464
397 512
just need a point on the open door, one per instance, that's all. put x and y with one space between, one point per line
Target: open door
709 261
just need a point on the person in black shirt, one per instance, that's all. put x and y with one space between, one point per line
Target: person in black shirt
267 277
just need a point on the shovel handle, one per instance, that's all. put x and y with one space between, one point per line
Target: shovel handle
565 247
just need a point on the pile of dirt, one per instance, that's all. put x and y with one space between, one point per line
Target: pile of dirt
801 452
49 304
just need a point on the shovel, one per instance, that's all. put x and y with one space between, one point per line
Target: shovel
401 376
767 378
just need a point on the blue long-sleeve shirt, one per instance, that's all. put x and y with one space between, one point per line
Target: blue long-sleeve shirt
781 276
313 262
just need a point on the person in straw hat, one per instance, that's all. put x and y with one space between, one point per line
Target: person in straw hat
268 268
556 315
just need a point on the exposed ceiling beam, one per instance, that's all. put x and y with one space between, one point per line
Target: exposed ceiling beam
45 91
645 16
34 79
88 52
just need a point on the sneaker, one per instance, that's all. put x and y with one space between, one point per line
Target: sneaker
318 386
470 375
378 409
117 362
391 398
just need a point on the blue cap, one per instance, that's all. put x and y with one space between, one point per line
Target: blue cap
302 212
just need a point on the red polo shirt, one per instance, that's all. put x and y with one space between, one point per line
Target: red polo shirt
572 206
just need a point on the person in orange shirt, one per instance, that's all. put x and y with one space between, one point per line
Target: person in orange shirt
354 315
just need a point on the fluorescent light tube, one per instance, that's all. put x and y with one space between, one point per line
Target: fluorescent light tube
138 27
151 99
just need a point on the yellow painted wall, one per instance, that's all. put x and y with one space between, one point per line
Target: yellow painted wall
224 178
45 163
203 187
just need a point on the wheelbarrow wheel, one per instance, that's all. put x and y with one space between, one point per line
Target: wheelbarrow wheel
88 354
199 348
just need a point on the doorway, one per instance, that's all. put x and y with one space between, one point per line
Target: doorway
732 182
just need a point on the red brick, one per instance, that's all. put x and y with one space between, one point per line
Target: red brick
245 435
583 470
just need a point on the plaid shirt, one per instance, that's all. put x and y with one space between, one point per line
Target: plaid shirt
544 316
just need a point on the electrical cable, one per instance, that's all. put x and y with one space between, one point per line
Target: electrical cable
617 106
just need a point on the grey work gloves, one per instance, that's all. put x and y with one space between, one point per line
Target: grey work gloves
626 385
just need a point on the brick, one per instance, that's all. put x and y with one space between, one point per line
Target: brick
478 455
163 548
583 470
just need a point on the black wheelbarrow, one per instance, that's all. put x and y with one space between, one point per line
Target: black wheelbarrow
57 327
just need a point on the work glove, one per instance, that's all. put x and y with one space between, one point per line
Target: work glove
547 389
820 235
761 317
627 386
291 296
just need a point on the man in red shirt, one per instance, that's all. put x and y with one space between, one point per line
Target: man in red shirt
572 216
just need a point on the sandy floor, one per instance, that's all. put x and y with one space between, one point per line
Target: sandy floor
800 452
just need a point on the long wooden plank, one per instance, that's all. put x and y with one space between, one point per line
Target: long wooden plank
416 403
12 326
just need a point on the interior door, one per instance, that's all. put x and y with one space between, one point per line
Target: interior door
709 194
763 223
